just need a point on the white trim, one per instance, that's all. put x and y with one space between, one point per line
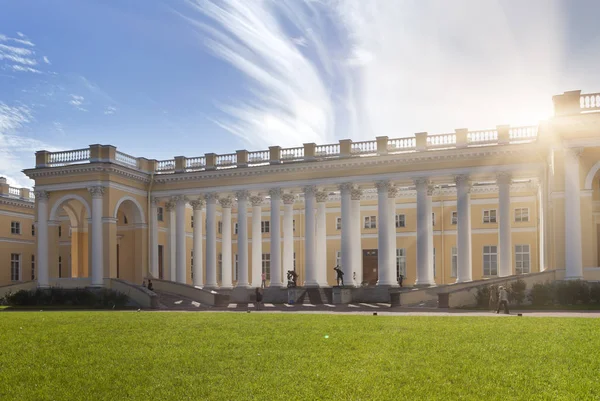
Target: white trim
135 202
64 243
18 215
589 178
110 220
85 184
592 268
63 199
586 193
17 241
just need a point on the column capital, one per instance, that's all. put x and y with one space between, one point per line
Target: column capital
154 201
430 190
197 204
503 177
256 200
356 194
346 186
41 195
392 192
383 185
242 195
96 191
211 198
169 206
462 179
275 193
288 199
321 196
309 190
573 152
421 181
178 199
226 202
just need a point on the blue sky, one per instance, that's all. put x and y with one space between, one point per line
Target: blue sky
173 77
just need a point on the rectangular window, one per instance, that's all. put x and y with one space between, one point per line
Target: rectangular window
433 219
33 267
220 227
59 231
400 220
338 223
59 266
433 262
33 230
15 267
294 261
265 226
235 268
220 268
454 269
192 222
454 218
266 265
401 262
489 216
235 228
338 258
15 227
294 225
370 222
522 259
192 264
70 231
490 260
521 214
159 213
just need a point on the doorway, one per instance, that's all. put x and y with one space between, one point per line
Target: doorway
370 266
160 262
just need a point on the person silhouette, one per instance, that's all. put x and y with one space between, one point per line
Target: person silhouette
340 275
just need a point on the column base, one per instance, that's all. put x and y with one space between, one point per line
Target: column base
463 281
573 278
424 285
311 284
387 284
244 285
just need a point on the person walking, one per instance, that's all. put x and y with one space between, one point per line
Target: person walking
150 286
400 279
263 280
502 300
259 298
340 275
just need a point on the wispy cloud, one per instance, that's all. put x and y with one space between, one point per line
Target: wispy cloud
359 69
46 60
110 110
77 101
19 55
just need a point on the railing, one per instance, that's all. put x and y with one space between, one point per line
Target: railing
441 141
195 163
590 102
14 191
401 144
125 159
32 195
482 137
364 147
292 154
165 166
258 157
69 157
523 133
227 160
327 150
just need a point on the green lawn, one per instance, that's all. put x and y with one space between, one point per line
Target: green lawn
287 356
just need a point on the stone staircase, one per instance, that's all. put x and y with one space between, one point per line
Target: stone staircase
316 296
169 301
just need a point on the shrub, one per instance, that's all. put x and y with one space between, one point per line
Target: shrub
541 294
572 292
102 298
483 297
595 293
516 291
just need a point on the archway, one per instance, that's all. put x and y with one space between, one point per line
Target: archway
130 244
68 240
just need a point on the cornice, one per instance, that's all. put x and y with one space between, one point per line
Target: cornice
86 168
17 202
351 162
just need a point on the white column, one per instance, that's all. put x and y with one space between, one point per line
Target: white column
180 258
97 193
355 195
391 226
226 259
541 228
463 239
276 277
424 234
154 238
573 248
288 232
41 200
347 233
198 280
256 201
321 239
310 257
383 241
504 243
172 239
242 242
211 240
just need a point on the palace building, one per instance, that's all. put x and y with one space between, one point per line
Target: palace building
437 209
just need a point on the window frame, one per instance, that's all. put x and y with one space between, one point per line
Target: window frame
519 254
489 216
266 265
401 262
370 222
15 267
160 213
15 227
454 262
454 218
493 258
265 227
400 218
521 215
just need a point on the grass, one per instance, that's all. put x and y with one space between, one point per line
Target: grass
239 356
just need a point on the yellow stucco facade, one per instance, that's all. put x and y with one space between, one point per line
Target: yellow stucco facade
107 212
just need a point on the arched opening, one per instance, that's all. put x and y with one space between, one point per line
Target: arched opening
131 236
68 251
